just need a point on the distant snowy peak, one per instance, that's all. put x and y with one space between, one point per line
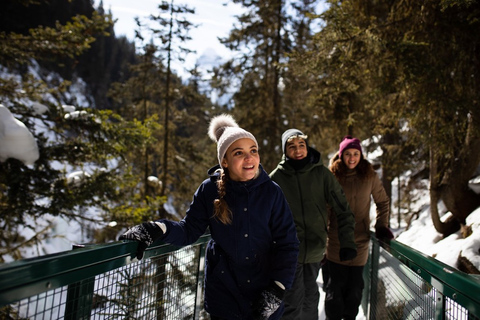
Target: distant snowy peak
209 58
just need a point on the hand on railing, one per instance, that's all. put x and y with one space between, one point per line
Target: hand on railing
384 234
145 233
269 301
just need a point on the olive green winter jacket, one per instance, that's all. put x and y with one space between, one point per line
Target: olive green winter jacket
309 192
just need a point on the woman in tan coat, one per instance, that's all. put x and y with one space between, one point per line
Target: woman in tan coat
360 182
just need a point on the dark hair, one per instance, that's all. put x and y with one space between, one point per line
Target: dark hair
364 168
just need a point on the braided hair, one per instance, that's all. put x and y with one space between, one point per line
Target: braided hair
221 210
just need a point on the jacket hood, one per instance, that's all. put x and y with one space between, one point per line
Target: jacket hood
214 172
315 161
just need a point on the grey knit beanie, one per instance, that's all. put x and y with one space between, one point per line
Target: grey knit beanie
224 130
292 133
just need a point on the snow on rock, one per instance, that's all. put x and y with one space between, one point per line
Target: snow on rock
421 234
154 182
39 108
470 248
423 237
474 184
77 115
76 178
16 141
68 108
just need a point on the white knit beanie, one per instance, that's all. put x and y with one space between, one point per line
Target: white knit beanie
224 130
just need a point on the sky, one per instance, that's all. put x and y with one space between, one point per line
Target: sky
212 17
215 18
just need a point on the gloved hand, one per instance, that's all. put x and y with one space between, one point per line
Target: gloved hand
269 301
145 233
347 254
383 234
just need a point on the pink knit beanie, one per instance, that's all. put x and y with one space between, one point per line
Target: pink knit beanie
349 143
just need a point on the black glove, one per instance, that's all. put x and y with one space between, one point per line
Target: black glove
347 254
383 234
145 233
269 301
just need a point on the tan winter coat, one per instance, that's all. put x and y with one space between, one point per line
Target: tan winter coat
360 185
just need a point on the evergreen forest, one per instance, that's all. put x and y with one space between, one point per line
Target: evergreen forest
402 74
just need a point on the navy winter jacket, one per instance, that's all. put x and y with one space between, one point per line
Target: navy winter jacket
245 257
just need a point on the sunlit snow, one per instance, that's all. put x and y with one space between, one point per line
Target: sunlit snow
16 141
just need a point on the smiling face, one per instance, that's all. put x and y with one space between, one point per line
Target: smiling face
351 158
296 149
242 160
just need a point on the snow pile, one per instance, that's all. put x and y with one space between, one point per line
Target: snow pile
470 247
16 141
422 236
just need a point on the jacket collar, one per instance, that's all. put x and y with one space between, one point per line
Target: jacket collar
214 173
315 161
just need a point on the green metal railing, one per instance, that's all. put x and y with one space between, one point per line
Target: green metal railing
403 283
104 282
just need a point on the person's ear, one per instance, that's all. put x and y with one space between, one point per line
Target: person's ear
224 163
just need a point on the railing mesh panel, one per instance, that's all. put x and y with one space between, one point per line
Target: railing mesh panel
168 287
402 293
163 287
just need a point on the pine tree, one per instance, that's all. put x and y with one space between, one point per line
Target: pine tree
173 33
90 141
261 44
404 71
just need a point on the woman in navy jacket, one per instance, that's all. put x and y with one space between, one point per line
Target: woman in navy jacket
251 258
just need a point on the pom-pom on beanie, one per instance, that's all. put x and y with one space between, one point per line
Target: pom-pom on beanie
224 130
292 133
349 143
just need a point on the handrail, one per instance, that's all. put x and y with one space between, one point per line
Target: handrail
24 278
75 268
460 287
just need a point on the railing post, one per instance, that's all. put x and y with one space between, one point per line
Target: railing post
440 306
375 257
79 297
200 274
366 280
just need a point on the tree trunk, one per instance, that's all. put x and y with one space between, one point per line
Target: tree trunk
448 227
457 196
451 185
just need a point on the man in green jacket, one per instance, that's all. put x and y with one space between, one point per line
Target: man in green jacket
311 190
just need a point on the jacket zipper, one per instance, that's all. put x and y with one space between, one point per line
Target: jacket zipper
334 195
303 216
